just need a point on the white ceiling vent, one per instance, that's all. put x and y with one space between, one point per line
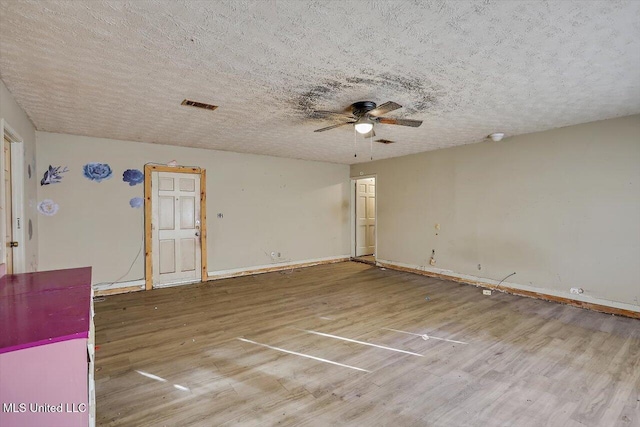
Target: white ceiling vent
199 105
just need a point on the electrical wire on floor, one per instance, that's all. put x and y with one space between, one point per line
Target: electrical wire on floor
273 261
504 280
130 267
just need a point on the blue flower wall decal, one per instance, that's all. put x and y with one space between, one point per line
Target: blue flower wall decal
52 175
136 202
97 171
133 177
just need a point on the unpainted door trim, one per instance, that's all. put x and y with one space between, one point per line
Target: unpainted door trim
148 169
17 197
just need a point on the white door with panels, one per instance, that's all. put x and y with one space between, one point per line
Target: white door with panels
8 208
175 227
365 216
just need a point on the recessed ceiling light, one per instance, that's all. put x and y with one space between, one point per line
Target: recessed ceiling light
497 136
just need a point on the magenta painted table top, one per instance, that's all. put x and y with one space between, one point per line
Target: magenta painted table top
45 307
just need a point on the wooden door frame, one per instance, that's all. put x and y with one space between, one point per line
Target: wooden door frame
17 198
148 215
354 207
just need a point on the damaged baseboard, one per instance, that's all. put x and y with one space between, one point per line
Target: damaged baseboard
590 303
259 269
118 288
139 285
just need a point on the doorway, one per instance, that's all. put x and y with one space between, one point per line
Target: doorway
175 226
12 235
8 206
365 220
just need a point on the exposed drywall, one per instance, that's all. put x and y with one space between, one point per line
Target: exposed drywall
560 208
16 118
296 208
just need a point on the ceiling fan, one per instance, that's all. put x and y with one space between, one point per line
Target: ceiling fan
364 114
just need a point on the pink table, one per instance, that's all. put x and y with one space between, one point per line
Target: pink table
46 358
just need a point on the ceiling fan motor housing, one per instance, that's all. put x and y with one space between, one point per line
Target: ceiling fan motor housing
361 108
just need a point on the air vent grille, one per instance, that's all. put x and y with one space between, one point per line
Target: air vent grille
199 105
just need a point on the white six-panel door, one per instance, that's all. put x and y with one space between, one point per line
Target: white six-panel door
175 227
365 216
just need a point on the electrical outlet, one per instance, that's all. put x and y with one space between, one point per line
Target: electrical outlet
576 290
486 292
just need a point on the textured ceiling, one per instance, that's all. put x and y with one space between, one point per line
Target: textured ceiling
119 69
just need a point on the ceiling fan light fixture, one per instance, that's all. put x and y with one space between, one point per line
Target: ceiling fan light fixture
363 127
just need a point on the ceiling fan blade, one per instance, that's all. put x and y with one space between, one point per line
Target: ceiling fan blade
323 113
401 122
334 126
384 108
369 134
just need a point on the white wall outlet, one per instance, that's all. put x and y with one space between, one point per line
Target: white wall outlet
486 292
576 290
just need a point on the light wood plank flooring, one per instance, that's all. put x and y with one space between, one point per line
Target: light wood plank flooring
236 352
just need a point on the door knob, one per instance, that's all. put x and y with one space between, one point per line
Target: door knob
197 233
13 244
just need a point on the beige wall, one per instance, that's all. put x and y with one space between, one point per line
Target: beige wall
560 208
298 208
17 119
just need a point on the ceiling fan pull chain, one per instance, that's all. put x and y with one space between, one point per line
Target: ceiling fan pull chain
371 141
355 143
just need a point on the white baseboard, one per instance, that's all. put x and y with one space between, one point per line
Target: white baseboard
509 286
259 269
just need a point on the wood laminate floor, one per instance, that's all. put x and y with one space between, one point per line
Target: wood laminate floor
352 344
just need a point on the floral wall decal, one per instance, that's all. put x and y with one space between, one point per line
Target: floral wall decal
97 172
136 202
53 175
48 207
133 177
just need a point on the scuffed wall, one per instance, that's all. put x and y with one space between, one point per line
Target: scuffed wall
560 208
17 119
293 207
